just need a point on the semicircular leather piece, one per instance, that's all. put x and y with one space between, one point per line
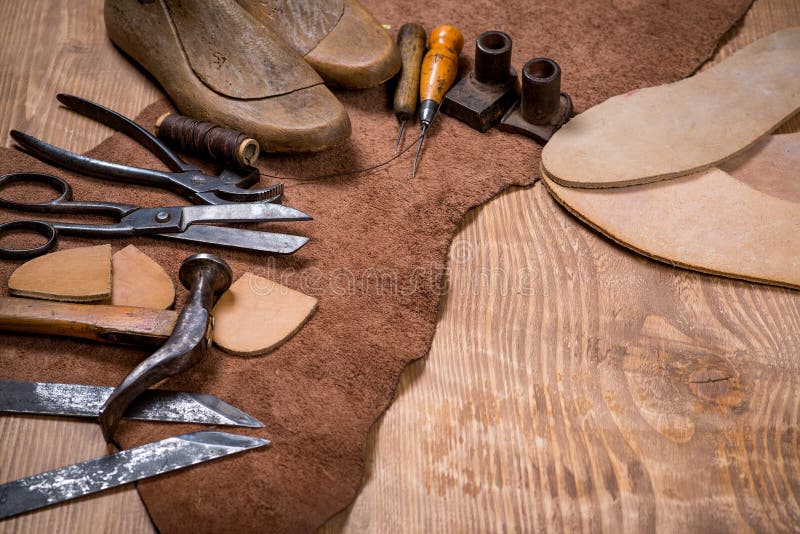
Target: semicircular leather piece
710 221
234 54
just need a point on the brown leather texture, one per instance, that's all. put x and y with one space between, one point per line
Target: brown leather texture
376 261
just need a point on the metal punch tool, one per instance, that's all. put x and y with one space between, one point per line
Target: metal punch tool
176 222
231 186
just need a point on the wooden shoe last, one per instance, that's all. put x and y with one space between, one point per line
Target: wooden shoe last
219 64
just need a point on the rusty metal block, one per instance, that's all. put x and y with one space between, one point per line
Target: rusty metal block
543 108
481 98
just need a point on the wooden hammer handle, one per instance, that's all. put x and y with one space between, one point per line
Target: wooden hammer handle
110 324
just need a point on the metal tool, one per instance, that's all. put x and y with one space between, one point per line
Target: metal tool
78 400
206 276
187 180
543 108
176 222
482 97
411 41
124 467
439 69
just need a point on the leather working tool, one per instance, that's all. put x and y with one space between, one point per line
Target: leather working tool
184 179
482 97
543 108
98 322
411 41
207 276
176 222
124 467
439 69
79 400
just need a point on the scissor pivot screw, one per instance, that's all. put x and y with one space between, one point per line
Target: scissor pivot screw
163 216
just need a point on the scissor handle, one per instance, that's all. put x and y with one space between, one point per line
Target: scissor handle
40 227
63 203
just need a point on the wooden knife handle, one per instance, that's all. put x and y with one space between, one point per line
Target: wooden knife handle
440 65
109 324
411 41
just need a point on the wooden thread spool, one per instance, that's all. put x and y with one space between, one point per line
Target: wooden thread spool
202 138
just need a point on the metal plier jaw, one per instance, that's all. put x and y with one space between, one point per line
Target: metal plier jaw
232 185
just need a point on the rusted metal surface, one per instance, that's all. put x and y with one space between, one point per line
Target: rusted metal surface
481 97
543 108
207 276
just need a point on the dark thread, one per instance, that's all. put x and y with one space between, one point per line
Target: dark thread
202 138
344 173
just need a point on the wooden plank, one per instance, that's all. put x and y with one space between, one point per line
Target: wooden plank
622 395
472 442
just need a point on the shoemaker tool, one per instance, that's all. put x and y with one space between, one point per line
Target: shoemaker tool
78 400
176 222
439 69
207 276
411 41
124 467
187 180
482 97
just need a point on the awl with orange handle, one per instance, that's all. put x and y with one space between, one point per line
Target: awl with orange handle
439 69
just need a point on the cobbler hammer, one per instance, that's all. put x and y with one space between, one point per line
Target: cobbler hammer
207 276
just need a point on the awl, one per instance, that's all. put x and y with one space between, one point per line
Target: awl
78 400
131 465
438 72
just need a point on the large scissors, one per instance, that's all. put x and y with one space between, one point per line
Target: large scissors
176 222
187 180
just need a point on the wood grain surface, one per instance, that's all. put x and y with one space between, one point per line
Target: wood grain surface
571 384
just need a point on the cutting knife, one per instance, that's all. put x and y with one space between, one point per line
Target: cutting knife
131 465
78 400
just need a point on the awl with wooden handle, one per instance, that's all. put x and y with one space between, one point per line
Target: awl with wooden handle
438 72
111 324
411 41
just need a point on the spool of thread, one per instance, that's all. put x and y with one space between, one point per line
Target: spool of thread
207 139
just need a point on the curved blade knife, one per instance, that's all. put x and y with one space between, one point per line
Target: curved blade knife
130 465
78 400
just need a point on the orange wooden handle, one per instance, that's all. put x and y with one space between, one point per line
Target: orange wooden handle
440 66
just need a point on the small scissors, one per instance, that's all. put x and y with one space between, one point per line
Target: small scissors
177 222
187 180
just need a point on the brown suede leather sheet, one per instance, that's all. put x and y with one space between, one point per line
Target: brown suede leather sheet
379 249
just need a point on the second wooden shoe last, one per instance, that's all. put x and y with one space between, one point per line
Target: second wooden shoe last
339 38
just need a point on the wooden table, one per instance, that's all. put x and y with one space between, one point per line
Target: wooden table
562 394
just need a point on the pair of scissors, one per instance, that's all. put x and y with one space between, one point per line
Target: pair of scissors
231 186
182 223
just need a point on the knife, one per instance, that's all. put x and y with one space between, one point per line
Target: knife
131 465
78 400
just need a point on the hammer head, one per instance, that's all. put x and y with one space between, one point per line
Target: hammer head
218 272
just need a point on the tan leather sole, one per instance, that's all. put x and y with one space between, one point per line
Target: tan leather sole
282 118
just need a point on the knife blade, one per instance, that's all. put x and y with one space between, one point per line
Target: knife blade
78 400
130 465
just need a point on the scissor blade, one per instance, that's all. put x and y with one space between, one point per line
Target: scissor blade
239 238
114 470
79 400
241 212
